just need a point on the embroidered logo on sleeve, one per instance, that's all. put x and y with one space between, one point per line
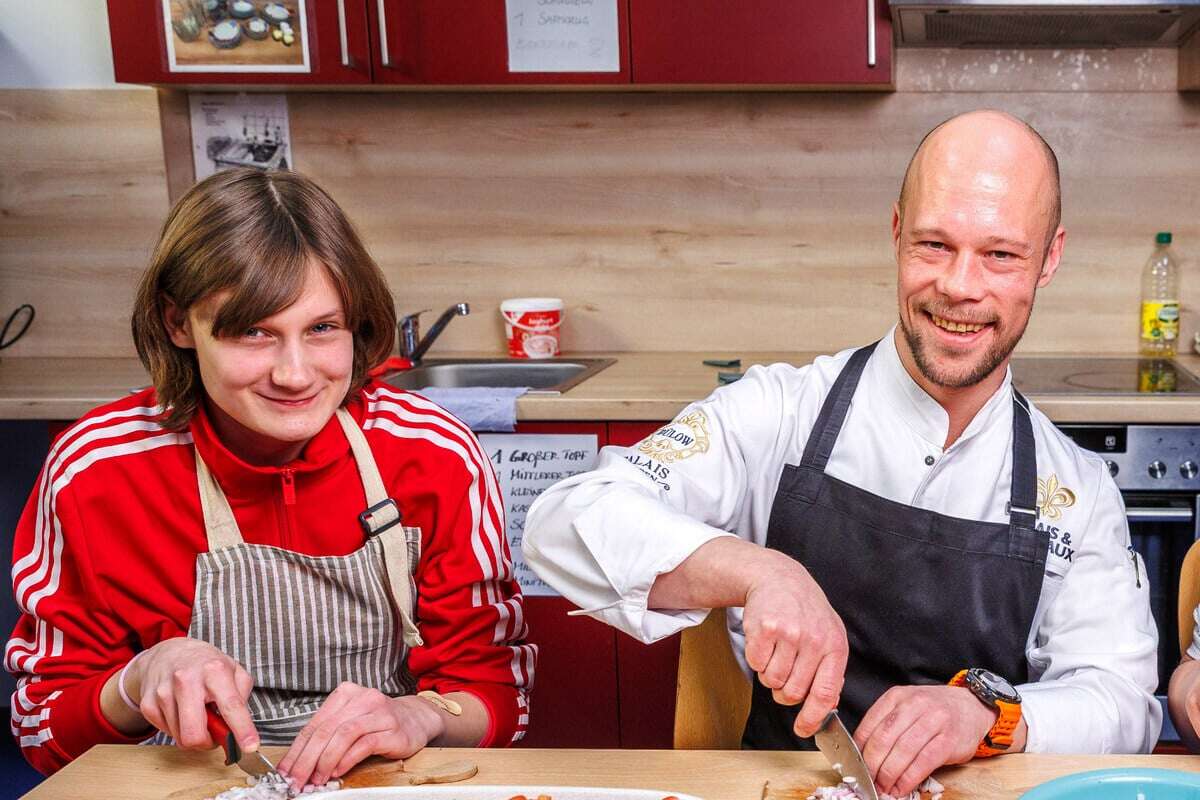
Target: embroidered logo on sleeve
1053 498
681 439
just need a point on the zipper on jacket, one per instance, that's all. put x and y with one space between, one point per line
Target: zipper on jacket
289 486
287 477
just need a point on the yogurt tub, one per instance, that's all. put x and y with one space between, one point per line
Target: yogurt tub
531 326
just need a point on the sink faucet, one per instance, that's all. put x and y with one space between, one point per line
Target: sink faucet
412 346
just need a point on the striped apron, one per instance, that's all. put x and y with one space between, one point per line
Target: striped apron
301 624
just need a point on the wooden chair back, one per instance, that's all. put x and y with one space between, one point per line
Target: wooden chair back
712 695
1189 594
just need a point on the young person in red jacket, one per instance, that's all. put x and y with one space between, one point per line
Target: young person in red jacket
265 529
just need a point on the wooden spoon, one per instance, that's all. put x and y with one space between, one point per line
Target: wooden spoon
372 772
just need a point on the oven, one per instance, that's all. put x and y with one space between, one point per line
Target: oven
1157 469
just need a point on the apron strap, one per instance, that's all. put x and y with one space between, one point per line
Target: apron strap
833 411
382 520
1022 504
368 472
219 525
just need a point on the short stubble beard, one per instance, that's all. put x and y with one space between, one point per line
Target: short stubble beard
1000 350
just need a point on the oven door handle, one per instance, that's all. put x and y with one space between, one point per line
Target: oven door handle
1151 514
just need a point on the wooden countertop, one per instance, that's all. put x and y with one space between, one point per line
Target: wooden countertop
131 772
639 386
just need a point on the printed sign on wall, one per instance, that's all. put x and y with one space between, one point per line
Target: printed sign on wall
563 36
527 464
239 130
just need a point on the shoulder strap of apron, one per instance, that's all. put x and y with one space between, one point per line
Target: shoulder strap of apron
219 525
833 411
382 519
1022 504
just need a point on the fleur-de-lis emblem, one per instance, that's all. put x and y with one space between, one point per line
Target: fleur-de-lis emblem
1053 498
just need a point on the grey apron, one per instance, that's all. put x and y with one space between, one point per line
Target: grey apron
922 594
303 624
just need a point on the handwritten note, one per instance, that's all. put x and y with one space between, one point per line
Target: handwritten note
563 36
527 464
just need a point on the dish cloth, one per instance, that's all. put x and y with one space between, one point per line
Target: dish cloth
482 408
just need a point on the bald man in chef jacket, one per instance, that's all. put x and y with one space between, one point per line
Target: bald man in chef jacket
895 530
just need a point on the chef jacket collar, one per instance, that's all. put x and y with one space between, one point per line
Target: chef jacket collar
250 482
920 412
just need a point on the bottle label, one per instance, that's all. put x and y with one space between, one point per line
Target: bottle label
1160 320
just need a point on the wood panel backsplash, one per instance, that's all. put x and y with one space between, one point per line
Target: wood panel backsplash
754 221
667 221
82 196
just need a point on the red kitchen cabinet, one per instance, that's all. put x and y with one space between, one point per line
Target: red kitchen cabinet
574 697
787 42
596 686
150 44
465 42
625 434
645 673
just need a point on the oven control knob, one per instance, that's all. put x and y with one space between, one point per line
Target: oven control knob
1188 469
1113 467
1157 469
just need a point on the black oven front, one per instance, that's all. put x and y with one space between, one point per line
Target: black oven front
1157 469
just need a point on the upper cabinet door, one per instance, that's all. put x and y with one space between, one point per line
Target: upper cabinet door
792 42
240 41
494 42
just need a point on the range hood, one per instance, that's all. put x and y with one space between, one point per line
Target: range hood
1044 23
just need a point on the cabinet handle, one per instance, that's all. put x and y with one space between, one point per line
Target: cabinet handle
385 55
870 33
343 39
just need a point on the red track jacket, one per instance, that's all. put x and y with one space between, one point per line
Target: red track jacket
104 558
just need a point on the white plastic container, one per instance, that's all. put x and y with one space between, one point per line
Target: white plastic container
531 326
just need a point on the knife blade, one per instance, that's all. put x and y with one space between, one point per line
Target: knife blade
254 764
835 743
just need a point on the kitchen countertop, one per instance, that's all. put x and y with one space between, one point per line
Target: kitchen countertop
131 772
638 387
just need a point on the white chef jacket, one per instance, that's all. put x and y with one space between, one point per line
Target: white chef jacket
602 537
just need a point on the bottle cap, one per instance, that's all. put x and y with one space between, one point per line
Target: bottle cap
1163 237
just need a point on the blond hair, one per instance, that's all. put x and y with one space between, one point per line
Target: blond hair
253 234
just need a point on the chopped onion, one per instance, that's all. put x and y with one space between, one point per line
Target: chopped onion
845 791
267 787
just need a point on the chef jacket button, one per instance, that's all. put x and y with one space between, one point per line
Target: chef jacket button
929 461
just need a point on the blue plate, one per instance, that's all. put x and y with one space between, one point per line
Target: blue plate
1120 784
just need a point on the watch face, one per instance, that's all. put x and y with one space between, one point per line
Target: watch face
993 685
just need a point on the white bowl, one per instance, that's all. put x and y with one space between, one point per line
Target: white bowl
472 792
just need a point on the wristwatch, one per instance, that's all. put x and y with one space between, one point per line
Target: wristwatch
994 692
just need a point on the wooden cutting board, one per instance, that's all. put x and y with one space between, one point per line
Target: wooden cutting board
961 784
371 772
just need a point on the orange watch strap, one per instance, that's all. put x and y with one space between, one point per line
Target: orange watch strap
1000 737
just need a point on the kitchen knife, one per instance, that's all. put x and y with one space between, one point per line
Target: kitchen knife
834 742
255 764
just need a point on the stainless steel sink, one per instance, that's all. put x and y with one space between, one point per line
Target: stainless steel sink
543 376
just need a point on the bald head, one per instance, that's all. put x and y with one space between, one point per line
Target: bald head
994 141
976 233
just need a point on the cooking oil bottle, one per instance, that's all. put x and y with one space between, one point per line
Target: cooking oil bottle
1160 300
